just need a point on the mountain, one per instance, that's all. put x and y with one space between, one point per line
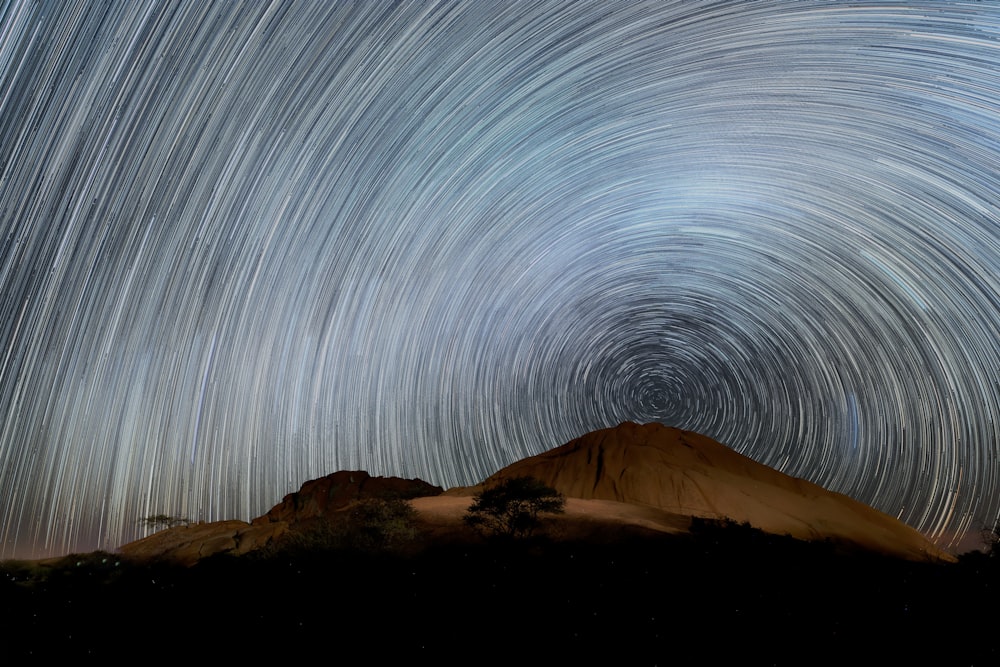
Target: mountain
684 473
618 481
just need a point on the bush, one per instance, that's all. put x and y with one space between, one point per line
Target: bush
510 508
370 525
381 523
990 536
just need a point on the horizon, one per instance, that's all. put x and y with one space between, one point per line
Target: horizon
959 545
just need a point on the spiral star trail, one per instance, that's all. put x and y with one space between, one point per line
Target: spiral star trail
245 245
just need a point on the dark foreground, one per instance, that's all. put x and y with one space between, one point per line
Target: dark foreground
724 595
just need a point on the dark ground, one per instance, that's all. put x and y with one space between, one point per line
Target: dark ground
727 594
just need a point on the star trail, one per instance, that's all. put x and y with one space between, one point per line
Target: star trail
247 244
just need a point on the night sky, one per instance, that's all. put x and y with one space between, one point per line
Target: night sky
247 244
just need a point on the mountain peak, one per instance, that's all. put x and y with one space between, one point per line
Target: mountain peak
687 473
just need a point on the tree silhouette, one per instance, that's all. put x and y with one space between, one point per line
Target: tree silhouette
991 539
510 508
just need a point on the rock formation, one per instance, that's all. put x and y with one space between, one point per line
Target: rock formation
186 545
648 476
336 491
685 473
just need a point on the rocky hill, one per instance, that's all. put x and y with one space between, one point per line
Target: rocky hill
187 545
685 473
632 476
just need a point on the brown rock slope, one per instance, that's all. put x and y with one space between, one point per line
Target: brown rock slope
685 473
186 545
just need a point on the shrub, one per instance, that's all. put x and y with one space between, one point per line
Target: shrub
370 525
380 523
510 508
